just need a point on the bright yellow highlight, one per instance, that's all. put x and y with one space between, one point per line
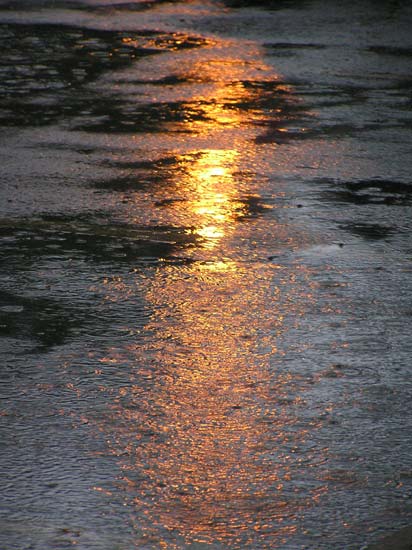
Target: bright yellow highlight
214 202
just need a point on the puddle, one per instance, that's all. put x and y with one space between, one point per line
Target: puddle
205 271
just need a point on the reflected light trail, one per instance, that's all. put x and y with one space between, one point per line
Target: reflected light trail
215 464
207 428
207 431
213 195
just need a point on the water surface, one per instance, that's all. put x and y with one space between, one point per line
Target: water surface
205 298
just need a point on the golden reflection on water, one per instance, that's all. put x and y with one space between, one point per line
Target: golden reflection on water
206 427
212 204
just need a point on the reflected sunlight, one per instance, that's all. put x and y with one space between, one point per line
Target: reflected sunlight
207 426
212 202
216 465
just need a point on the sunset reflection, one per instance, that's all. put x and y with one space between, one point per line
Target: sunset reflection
205 272
212 203
207 426
207 429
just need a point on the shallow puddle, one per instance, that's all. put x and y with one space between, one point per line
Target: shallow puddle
206 274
